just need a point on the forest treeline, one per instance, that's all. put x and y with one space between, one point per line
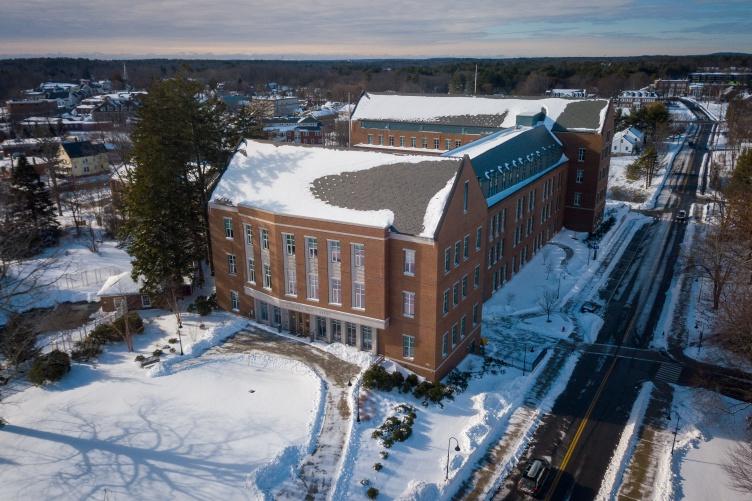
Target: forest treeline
337 79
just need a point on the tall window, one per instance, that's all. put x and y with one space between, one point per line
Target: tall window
248 234
267 276
464 287
425 142
445 305
457 143
289 244
408 304
448 144
366 338
413 142
391 140
466 248
228 227
337 331
359 295
251 270
369 139
475 314
466 193
359 255
291 282
232 267
402 141
476 277
580 154
455 294
408 346
580 176
312 247
463 326
312 286
457 253
350 334
436 144
577 201
335 291
447 259
409 267
478 237
455 335
265 239
234 301
334 251
445 345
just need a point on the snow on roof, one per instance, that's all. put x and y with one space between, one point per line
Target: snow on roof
120 285
407 192
502 111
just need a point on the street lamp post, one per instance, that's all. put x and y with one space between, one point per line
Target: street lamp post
456 448
676 430
180 338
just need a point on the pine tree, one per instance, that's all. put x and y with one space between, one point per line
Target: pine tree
29 215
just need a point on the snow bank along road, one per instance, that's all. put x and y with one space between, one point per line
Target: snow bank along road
584 427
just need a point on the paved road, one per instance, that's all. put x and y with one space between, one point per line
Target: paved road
585 424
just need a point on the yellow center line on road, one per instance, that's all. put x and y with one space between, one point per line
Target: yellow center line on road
580 429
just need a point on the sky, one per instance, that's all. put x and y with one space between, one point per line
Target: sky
366 29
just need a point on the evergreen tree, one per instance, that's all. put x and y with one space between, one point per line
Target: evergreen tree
29 215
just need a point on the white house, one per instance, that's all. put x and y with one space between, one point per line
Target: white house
627 142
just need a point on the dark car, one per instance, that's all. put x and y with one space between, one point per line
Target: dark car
681 215
534 476
589 307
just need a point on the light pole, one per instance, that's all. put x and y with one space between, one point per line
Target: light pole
676 430
180 338
456 448
357 403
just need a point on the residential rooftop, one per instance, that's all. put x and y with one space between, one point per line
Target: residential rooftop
406 193
487 111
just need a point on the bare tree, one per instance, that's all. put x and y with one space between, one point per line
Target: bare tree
738 467
547 302
49 147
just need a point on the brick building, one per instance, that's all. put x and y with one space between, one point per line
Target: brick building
390 253
435 124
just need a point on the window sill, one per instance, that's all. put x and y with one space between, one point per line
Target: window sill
291 295
408 274
358 308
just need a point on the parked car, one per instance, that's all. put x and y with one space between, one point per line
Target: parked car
681 215
534 476
589 307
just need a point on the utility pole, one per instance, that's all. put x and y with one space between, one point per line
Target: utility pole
349 122
475 85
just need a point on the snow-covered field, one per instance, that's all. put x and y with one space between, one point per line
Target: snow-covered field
212 427
709 426
70 272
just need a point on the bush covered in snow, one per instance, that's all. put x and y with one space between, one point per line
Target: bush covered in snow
91 346
378 378
372 493
395 429
49 367
204 305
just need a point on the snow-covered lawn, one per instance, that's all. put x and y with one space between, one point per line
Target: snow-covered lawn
213 427
709 426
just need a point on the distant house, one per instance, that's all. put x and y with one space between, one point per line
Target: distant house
275 106
627 142
567 93
636 99
82 158
117 108
671 88
122 288
305 130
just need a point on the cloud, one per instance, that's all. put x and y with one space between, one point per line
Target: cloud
354 27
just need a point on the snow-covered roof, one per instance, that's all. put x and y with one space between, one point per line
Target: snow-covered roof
570 114
406 192
120 285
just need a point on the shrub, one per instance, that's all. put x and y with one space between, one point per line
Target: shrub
135 323
140 358
384 454
203 305
458 380
372 493
49 367
86 349
157 352
377 466
412 380
395 429
105 333
172 340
